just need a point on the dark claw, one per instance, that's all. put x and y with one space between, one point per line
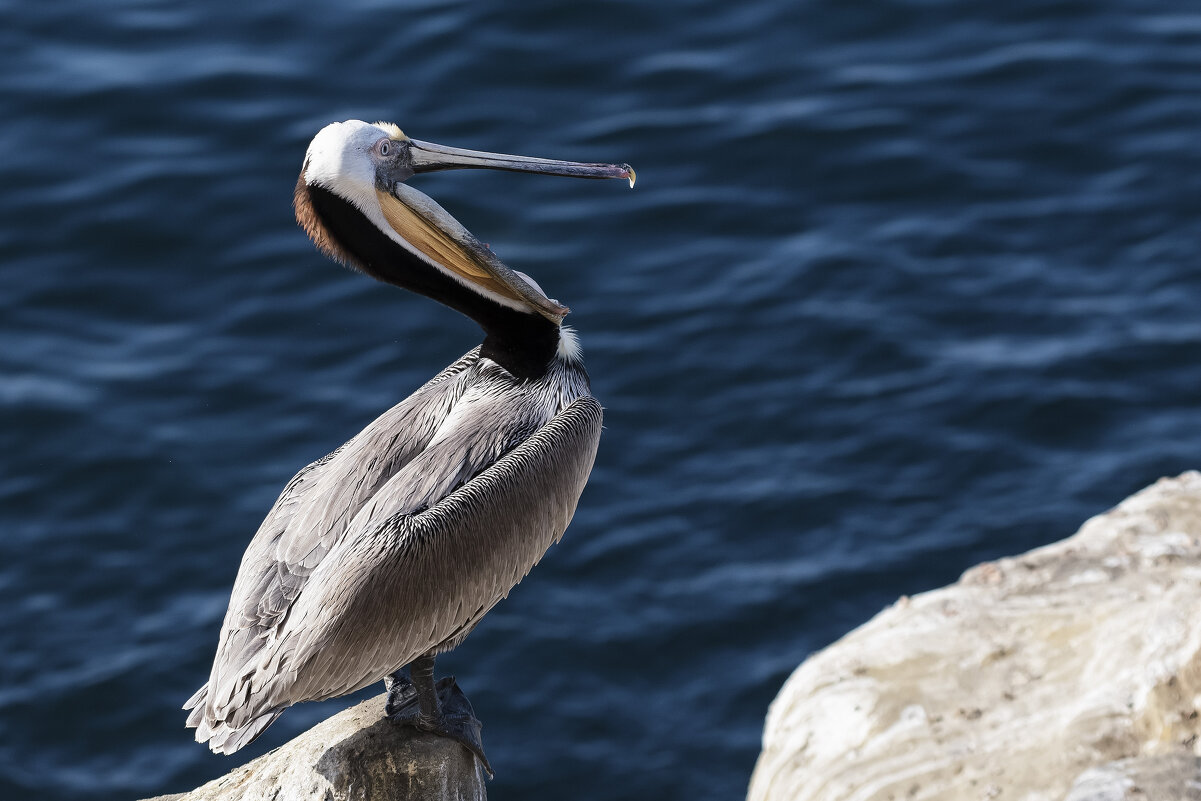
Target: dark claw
458 720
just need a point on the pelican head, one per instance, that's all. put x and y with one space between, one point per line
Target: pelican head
353 201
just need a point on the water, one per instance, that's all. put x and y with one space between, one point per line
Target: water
902 287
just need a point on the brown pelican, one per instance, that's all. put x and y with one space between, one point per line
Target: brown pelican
389 550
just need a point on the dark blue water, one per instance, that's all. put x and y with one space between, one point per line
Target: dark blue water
902 287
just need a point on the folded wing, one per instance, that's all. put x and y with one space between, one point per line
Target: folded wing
356 572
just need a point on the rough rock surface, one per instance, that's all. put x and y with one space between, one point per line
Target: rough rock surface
1171 777
356 755
1013 681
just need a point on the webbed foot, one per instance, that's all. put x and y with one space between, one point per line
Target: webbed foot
439 708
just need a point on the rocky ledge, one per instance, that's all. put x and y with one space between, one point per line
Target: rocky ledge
1072 669
356 755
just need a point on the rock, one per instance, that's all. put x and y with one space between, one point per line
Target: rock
1172 777
1012 681
356 755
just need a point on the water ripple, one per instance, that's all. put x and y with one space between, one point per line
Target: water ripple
902 287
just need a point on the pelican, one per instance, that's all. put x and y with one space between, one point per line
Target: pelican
389 551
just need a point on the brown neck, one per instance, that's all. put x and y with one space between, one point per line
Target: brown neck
524 343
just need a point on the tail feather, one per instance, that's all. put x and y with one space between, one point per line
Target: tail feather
195 718
198 698
222 738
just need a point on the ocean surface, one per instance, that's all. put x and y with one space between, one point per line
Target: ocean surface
903 286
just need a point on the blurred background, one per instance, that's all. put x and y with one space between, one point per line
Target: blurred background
903 286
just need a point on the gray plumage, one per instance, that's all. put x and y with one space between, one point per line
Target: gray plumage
396 544
390 549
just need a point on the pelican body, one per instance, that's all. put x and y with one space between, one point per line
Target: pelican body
390 550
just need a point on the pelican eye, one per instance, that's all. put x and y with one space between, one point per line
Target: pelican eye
383 147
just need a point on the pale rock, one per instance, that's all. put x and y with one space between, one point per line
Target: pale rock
1170 777
1013 681
356 755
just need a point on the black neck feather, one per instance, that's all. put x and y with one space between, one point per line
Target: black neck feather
524 343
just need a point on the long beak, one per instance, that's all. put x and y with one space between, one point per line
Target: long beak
428 157
430 230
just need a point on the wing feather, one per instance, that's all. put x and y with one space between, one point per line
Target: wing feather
399 542
311 516
420 581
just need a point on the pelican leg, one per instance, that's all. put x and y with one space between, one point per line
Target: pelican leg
401 693
429 711
439 708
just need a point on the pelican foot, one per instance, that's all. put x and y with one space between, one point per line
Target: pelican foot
455 717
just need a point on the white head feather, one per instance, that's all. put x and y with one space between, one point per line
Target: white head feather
339 159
